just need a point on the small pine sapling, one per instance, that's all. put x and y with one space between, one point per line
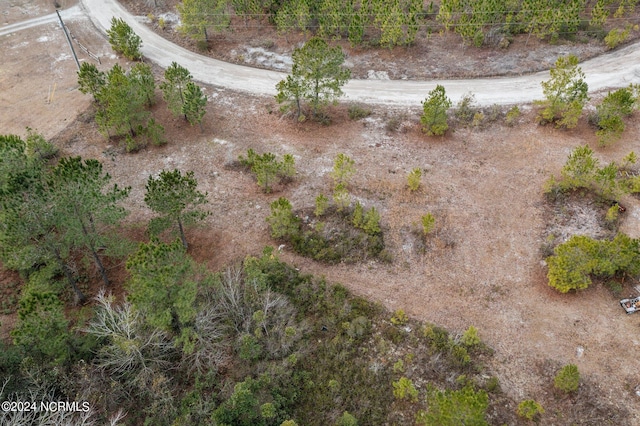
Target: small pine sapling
413 179
343 170
371 223
283 222
428 223
322 202
358 215
568 379
341 197
529 409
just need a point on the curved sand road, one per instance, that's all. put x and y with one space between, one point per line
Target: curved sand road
616 69
70 13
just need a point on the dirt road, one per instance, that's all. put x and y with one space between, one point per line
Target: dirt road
617 69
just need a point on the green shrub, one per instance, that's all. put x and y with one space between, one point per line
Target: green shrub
437 337
341 197
493 384
451 408
322 202
617 36
428 223
357 112
459 356
529 409
565 93
249 348
404 389
343 170
568 379
470 337
413 179
612 214
42 330
399 318
132 144
283 223
371 223
465 108
580 256
347 419
267 169
512 115
478 119
610 113
155 133
357 218
36 146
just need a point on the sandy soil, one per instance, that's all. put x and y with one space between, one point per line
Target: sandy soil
482 266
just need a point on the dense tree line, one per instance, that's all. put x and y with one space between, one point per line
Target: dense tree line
397 22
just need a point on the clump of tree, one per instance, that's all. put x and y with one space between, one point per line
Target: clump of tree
124 40
49 215
339 233
565 93
176 200
580 257
198 17
582 171
316 77
347 236
267 169
610 114
399 23
122 100
434 116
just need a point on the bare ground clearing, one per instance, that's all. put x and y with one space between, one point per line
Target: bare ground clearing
484 187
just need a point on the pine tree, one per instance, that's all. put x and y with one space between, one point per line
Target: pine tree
175 198
195 104
434 116
90 80
565 93
143 83
317 75
197 16
124 40
163 285
122 108
174 85
88 207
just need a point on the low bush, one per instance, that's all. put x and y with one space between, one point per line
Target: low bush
568 379
529 409
358 112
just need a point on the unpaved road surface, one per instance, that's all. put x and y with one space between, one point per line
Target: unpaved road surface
617 69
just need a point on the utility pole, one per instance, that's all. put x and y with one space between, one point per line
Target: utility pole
68 39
